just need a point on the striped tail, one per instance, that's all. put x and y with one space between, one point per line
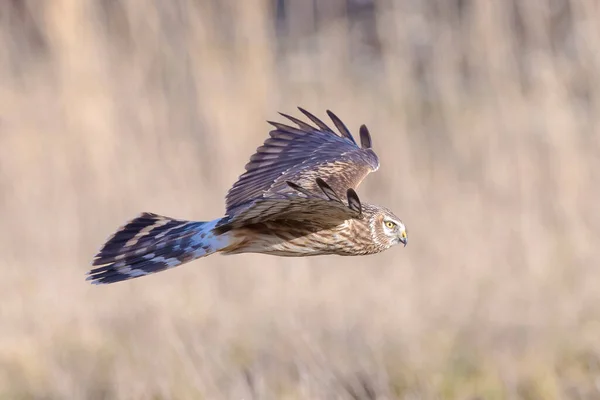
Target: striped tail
151 243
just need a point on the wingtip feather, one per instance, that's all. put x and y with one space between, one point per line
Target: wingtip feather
316 120
301 124
328 190
341 126
354 201
365 137
299 188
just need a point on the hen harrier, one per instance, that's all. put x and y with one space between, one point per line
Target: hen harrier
287 203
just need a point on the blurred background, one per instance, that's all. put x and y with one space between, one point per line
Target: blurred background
485 116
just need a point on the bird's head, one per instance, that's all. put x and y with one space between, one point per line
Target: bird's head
387 229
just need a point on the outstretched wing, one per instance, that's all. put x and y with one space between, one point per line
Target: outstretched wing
301 155
325 207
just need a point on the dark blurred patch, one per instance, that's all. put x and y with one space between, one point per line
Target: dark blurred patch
21 34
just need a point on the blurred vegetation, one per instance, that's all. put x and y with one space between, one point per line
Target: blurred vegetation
485 115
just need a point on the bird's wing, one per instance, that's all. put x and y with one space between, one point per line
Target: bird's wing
324 206
300 155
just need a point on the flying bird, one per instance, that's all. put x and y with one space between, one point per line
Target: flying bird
296 198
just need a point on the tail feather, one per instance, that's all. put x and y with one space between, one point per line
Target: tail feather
151 243
142 232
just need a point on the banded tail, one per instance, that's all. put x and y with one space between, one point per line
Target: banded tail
151 243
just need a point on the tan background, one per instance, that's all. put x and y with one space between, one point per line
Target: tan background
485 115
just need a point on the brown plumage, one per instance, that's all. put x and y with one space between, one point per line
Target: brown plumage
296 198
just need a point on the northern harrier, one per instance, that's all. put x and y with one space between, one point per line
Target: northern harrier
287 203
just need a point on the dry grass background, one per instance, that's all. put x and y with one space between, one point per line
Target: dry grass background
485 115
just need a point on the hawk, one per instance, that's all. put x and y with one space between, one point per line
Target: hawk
297 198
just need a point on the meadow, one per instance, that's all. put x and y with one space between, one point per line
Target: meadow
486 119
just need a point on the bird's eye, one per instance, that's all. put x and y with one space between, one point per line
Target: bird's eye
389 224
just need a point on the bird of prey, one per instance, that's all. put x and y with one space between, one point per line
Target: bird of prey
297 198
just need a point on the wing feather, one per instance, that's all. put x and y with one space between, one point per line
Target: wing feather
365 137
303 125
341 126
354 201
329 192
322 125
300 155
328 209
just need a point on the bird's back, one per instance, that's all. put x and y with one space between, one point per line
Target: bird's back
290 238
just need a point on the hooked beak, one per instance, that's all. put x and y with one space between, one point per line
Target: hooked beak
404 238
